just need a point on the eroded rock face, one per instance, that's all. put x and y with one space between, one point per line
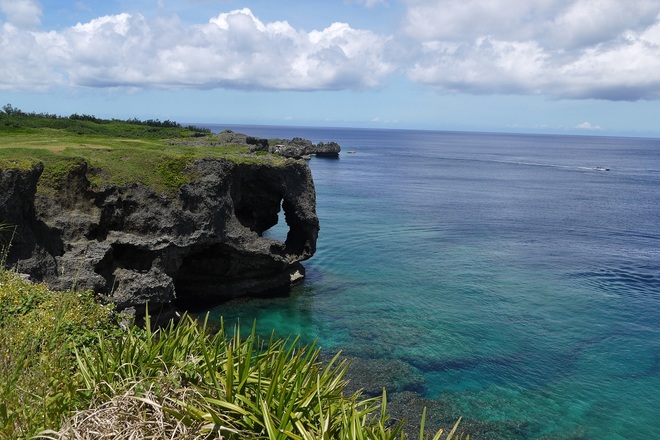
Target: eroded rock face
204 243
298 148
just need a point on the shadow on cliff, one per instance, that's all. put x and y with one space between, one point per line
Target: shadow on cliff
203 243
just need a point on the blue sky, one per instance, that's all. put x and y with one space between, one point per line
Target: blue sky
548 66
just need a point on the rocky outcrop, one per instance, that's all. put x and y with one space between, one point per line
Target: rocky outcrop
329 149
297 147
203 243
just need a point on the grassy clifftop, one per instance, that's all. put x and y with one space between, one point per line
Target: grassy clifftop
117 152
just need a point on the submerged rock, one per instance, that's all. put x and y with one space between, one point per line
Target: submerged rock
205 242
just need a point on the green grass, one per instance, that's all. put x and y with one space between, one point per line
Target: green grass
41 331
115 161
117 153
13 120
110 161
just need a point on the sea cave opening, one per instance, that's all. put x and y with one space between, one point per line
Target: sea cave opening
280 229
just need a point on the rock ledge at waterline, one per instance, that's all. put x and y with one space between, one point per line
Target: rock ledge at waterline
202 242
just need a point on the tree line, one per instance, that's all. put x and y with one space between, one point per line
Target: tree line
9 110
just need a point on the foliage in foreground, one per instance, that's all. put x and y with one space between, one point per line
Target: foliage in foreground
67 371
40 331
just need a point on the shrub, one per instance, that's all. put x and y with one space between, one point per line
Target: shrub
41 330
171 170
68 371
207 382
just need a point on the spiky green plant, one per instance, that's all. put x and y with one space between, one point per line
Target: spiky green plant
67 371
234 387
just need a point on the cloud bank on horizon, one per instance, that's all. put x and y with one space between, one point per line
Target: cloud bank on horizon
576 49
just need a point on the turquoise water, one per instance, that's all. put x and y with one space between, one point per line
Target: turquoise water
519 283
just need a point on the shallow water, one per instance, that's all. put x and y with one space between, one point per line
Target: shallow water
518 281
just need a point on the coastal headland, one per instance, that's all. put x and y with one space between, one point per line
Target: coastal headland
147 215
186 224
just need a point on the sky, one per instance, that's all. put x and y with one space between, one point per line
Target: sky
534 66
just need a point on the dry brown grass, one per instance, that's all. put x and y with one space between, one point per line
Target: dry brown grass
133 415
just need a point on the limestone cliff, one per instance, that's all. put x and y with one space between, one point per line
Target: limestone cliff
203 241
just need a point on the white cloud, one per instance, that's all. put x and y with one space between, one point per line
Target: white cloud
22 63
460 20
233 50
22 13
604 49
588 126
552 23
485 65
585 23
599 49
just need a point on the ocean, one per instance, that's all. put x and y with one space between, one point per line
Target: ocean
512 279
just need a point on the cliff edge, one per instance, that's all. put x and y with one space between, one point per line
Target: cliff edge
203 241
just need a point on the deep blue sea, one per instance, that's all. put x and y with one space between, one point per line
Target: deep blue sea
517 282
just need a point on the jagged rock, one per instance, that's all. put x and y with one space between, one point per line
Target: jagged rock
330 149
298 148
204 243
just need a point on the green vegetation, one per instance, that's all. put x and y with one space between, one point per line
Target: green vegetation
171 170
69 370
18 121
66 368
116 152
41 330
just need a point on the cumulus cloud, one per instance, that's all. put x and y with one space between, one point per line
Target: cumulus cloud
579 49
591 22
460 20
482 66
588 126
603 49
234 50
21 13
